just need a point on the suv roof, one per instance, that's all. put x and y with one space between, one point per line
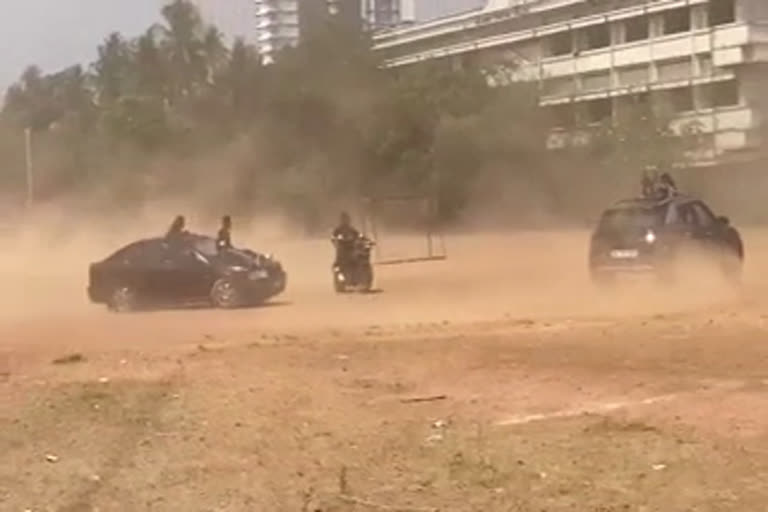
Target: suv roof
648 203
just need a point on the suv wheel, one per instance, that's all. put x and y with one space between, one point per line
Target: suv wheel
602 279
731 265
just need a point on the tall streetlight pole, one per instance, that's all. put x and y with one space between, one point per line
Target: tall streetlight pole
30 175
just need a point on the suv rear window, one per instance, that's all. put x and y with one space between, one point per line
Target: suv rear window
631 219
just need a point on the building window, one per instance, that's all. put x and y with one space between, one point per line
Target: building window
722 12
641 100
596 81
726 94
636 29
705 64
599 111
677 20
721 94
562 116
559 86
634 75
598 36
561 44
681 100
633 108
677 69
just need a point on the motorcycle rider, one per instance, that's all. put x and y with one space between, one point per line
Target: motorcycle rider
344 237
224 236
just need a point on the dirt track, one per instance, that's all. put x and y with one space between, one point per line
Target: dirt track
543 394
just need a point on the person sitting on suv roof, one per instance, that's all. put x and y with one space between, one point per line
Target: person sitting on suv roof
666 186
660 188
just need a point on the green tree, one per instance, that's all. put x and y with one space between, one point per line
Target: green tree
112 70
215 52
183 47
149 65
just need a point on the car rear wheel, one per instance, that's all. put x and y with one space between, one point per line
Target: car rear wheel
603 279
122 300
226 294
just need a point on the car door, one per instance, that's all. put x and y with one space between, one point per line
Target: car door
187 273
706 228
153 267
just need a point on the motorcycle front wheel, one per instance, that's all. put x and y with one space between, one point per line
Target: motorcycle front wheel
339 285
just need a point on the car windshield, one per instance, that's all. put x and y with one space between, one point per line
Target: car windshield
631 219
206 246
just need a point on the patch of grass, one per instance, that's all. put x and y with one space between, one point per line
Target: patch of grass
70 359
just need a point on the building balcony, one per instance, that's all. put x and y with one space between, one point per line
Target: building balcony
737 119
587 93
725 129
726 43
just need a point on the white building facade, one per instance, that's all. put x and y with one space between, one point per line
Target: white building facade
707 60
276 26
419 11
278 23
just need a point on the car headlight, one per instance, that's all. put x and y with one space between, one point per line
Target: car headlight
650 237
258 274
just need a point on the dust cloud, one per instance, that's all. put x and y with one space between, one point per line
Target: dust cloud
497 265
487 276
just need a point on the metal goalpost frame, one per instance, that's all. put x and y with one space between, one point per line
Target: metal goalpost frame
435 241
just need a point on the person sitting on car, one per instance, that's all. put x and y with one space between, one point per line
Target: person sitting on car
344 237
176 231
648 184
224 237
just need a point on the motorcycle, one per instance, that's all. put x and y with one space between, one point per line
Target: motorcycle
355 272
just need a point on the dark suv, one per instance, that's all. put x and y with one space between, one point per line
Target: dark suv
646 235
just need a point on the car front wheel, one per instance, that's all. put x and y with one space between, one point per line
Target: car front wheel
225 294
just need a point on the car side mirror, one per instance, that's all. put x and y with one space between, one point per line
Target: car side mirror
725 221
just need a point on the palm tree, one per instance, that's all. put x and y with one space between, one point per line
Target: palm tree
112 69
33 100
243 78
183 46
215 52
150 65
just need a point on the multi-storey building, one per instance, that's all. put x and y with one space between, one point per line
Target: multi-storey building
282 23
426 10
705 60
277 26
380 14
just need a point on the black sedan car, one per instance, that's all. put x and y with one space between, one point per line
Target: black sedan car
190 270
660 237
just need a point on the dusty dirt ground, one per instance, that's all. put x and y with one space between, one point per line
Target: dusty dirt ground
498 380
